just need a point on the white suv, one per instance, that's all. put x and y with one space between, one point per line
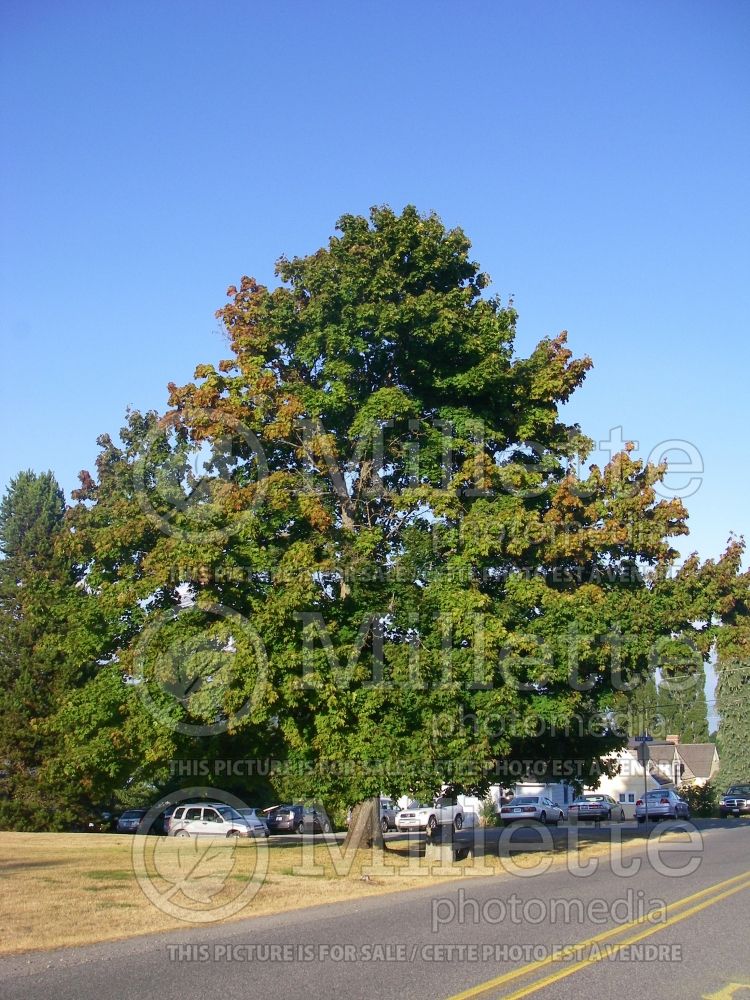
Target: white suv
208 819
419 816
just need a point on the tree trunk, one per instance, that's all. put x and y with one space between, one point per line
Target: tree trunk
364 827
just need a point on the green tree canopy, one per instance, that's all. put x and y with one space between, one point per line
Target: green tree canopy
362 544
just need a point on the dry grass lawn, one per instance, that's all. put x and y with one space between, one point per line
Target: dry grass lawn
71 889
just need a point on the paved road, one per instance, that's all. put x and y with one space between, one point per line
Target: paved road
453 939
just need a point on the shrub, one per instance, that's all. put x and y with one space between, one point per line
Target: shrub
488 814
702 799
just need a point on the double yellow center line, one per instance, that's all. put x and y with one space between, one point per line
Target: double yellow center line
666 916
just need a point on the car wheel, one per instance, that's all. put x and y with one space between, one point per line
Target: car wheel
641 819
608 817
233 834
384 825
622 815
431 823
542 817
326 827
299 828
458 822
182 833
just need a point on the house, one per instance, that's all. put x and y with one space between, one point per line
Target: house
682 763
670 765
626 786
630 783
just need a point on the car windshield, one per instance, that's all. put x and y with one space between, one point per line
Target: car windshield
133 814
524 800
658 795
739 790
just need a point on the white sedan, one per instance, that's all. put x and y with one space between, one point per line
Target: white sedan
537 807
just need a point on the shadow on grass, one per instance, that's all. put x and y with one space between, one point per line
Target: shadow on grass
526 838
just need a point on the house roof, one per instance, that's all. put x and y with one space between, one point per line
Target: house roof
659 777
698 757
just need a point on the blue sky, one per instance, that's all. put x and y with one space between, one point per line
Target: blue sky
596 153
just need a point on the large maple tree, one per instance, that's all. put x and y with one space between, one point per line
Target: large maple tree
389 536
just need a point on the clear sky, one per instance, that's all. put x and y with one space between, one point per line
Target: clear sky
596 153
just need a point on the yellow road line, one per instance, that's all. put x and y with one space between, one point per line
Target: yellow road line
526 970
613 949
728 992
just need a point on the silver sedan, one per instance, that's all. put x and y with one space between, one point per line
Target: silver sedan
662 804
537 807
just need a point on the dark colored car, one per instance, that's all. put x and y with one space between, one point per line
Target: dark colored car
130 820
735 801
284 819
161 823
297 819
315 820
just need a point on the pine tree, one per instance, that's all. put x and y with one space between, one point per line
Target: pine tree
33 586
682 694
733 702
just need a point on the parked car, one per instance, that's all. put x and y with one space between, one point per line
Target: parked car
736 800
421 816
296 818
161 823
662 804
388 812
284 819
315 819
130 820
595 807
257 824
537 807
211 819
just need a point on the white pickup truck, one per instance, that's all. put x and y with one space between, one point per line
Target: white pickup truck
418 816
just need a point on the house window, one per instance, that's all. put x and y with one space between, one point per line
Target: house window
622 796
631 797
